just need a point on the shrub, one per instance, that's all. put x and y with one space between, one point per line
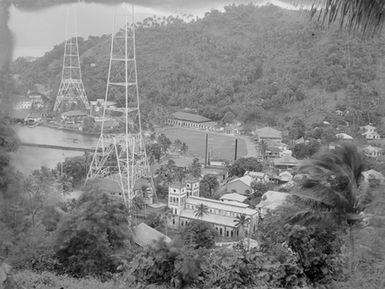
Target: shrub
46 280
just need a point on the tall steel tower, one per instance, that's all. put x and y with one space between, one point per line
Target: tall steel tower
121 157
71 94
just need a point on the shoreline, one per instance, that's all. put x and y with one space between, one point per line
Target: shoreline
70 130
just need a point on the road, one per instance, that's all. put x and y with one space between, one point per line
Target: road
252 150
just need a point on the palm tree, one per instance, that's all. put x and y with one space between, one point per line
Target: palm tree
366 16
201 210
241 222
331 193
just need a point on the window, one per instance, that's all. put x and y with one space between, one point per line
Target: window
220 231
174 191
232 233
227 233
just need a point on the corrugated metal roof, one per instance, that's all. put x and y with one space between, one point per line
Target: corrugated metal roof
234 197
247 180
226 206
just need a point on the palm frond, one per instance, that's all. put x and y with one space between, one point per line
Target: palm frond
365 16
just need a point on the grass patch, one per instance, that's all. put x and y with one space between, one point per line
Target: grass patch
220 146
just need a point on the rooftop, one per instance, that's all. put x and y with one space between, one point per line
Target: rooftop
268 132
247 180
178 185
255 174
286 160
370 133
191 180
373 174
189 117
210 218
145 236
226 206
233 197
343 136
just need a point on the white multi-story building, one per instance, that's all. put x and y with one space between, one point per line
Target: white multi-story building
222 215
192 187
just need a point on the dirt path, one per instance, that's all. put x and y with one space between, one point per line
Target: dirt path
252 149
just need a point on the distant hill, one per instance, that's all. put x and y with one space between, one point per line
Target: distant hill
263 64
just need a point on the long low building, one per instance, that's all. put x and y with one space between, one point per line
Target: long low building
185 119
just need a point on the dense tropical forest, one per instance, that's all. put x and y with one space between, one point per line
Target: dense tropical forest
262 64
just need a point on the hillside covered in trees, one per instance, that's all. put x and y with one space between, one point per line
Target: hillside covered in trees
263 64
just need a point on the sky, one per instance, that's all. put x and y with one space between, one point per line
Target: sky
37 31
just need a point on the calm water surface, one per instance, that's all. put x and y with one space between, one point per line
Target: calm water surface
27 159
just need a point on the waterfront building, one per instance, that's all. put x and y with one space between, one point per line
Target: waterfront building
74 116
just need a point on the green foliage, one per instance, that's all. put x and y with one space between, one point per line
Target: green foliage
197 234
240 166
164 142
92 240
47 280
319 253
170 173
154 152
165 264
201 210
233 269
196 168
76 168
208 185
297 130
8 143
315 250
306 150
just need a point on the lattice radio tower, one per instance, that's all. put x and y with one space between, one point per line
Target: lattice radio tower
71 90
122 157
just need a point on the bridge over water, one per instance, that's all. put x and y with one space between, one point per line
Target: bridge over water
58 147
